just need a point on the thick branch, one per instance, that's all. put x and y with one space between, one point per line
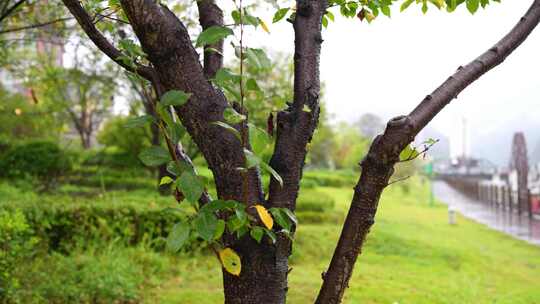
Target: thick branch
168 45
85 21
211 15
295 126
378 165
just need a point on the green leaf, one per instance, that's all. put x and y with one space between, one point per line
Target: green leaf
228 128
280 14
165 114
165 180
329 15
424 6
258 58
270 234
175 98
213 34
190 185
247 19
139 121
405 5
260 141
206 225
408 153
251 84
324 21
385 10
154 156
175 131
472 5
237 221
291 215
220 228
232 117
274 173
252 160
257 233
225 78
242 231
174 168
178 236
281 218
220 205
430 141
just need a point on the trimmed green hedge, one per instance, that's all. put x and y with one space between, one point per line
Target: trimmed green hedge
315 201
61 226
43 160
312 179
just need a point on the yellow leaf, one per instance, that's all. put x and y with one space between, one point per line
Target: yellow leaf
266 218
264 26
369 17
230 261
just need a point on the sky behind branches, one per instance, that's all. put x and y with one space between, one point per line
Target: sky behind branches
388 67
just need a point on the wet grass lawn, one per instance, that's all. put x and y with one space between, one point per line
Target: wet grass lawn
412 256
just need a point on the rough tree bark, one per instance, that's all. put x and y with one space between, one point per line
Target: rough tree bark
175 65
378 165
211 15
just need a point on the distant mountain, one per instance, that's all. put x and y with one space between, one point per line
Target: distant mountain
496 146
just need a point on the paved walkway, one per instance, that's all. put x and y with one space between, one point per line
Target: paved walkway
495 218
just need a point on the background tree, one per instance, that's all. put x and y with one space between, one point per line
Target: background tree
19 116
257 272
370 125
82 94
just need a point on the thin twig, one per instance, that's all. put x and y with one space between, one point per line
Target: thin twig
426 148
399 180
33 26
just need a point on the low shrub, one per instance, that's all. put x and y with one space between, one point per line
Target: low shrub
5 143
131 141
43 160
314 201
17 247
115 275
329 178
62 226
312 217
112 158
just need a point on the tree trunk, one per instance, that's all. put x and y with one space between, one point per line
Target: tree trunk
264 274
162 169
86 140
176 65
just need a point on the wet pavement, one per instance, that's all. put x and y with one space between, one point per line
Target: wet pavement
495 218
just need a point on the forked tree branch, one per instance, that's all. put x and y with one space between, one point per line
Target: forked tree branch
295 125
85 21
165 39
211 15
378 165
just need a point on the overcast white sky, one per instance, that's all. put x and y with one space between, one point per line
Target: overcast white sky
387 67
